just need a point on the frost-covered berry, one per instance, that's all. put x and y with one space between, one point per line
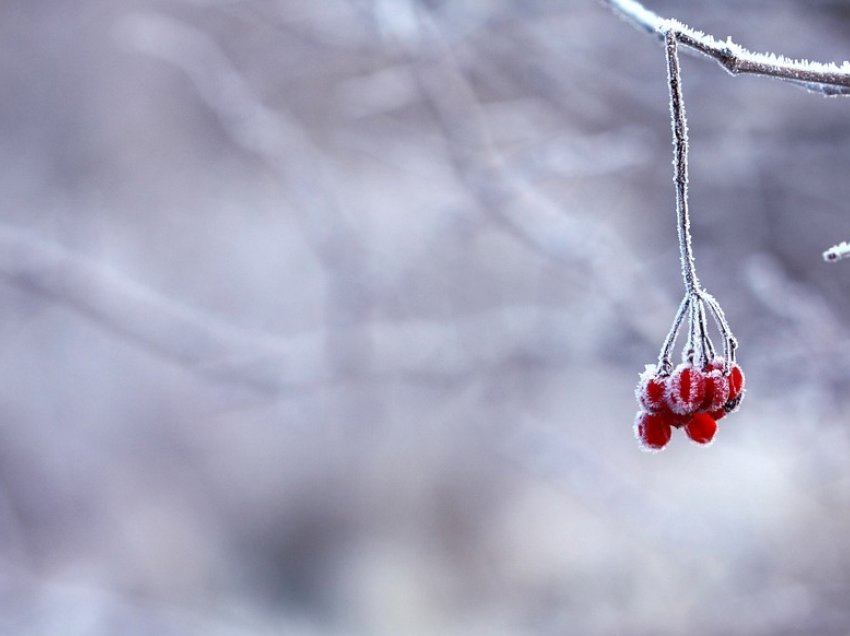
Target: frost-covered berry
700 391
651 389
685 390
701 428
652 430
736 381
716 391
736 388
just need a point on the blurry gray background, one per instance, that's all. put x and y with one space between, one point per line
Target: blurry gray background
324 317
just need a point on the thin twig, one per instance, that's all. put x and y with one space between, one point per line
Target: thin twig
301 169
730 344
837 252
707 346
664 365
679 123
825 78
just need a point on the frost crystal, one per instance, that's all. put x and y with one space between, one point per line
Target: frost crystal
828 78
837 252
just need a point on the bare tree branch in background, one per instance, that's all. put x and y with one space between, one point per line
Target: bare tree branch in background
528 214
270 364
289 152
265 363
158 324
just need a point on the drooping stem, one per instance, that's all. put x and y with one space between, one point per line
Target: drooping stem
730 343
694 342
707 345
680 162
664 365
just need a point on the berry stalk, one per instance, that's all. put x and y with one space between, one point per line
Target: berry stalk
679 123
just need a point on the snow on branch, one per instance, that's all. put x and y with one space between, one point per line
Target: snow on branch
825 78
837 252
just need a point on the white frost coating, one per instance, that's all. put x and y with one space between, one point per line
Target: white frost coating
837 252
821 77
637 13
689 403
718 388
644 396
649 369
642 444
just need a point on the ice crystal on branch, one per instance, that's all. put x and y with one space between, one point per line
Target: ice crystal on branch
837 252
827 78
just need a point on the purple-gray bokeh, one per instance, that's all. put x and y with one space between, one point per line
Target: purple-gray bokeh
324 317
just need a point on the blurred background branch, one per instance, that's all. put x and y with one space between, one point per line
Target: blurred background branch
323 318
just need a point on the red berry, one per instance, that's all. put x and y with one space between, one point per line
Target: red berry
736 388
674 418
685 390
701 428
650 390
652 430
736 381
718 414
716 391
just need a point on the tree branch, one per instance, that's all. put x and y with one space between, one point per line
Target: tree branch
268 364
818 77
837 252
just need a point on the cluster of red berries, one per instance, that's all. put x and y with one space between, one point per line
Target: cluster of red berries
689 396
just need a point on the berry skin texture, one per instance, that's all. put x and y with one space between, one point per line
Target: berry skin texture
652 431
736 388
690 397
701 428
651 390
716 391
736 381
685 390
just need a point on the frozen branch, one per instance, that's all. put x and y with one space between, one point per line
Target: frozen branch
826 78
837 252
